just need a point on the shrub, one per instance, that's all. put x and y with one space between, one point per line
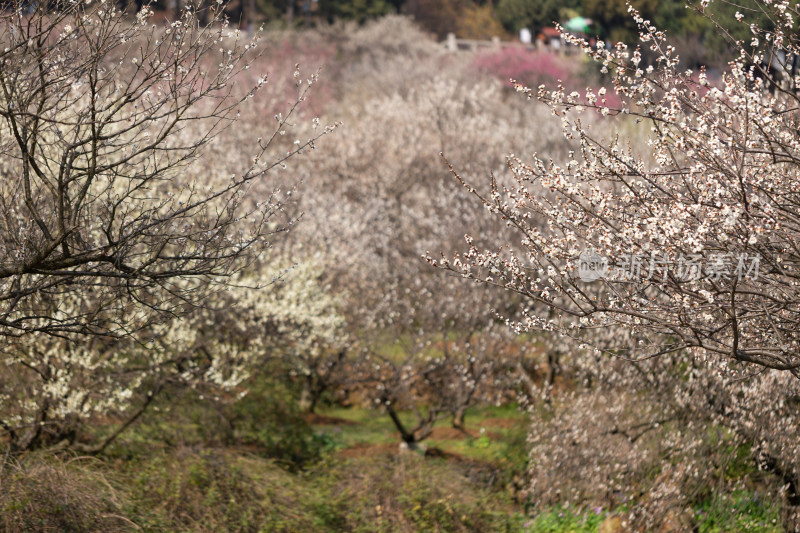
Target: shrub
50 494
215 490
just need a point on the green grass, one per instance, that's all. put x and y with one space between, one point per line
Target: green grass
191 486
497 438
180 470
230 490
565 520
740 511
372 427
363 427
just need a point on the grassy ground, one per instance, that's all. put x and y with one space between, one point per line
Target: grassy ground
362 481
169 474
494 427
493 450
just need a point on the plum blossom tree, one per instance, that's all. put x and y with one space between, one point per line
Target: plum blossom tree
422 342
665 244
103 124
114 223
306 328
693 237
53 388
446 355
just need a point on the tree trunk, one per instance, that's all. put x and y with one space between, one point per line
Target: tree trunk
30 438
306 402
407 436
459 419
310 394
553 370
553 367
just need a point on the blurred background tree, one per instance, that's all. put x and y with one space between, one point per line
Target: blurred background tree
612 16
465 18
479 22
437 16
358 10
531 14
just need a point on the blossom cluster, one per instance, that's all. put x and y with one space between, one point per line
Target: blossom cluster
710 174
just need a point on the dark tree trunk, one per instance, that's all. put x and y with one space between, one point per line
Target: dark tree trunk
413 437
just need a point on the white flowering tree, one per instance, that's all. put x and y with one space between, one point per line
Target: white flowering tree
442 355
54 389
103 122
119 214
421 340
303 325
686 242
665 244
